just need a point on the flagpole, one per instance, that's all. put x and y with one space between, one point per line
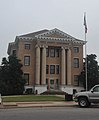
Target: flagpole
86 61
85 24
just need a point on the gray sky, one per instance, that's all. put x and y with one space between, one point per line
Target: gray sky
24 16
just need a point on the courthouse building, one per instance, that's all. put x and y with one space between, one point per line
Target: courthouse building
52 60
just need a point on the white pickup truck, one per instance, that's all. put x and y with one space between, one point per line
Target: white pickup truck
85 98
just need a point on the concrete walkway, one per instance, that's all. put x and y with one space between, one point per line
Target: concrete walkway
37 104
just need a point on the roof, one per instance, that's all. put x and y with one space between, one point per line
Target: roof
34 33
51 35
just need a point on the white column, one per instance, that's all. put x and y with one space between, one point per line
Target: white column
43 71
69 67
63 67
37 65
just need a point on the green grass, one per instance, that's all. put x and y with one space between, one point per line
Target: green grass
31 98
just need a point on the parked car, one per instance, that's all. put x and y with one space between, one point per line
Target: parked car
85 98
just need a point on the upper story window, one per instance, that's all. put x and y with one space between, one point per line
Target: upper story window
52 69
57 52
57 69
27 46
47 52
52 52
76 63
14 52
76 49
26 60
26 77
47 69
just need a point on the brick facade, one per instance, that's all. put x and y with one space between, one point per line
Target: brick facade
52 59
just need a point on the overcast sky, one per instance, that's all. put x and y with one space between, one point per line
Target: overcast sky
23 16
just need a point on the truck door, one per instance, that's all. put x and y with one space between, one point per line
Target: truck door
94 95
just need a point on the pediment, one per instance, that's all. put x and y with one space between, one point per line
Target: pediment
55 33
52 35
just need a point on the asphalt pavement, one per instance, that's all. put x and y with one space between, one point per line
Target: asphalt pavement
50 113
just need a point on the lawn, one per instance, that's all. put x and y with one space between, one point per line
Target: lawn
31 98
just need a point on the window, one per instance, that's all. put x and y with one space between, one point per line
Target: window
47 52
76 82
46 81
14 52
51 81
26 77
52 84
52 52
76 63
47 69
26 60
52 69
57 52
57 83
76 49
96 89
27 46
57 69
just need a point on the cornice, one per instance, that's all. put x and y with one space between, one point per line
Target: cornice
61 40
53 39
25 38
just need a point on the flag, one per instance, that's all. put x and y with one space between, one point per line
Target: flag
85 24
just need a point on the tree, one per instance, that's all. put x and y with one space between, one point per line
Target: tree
92 72
11 80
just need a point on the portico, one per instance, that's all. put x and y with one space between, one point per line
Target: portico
64 75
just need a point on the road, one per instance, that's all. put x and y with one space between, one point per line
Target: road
58 113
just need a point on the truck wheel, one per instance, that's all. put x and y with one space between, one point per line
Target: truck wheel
83 102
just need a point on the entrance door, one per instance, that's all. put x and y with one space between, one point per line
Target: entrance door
51 84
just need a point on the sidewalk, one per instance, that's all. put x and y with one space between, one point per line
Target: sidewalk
8 105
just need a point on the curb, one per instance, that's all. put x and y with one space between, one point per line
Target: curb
37 105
